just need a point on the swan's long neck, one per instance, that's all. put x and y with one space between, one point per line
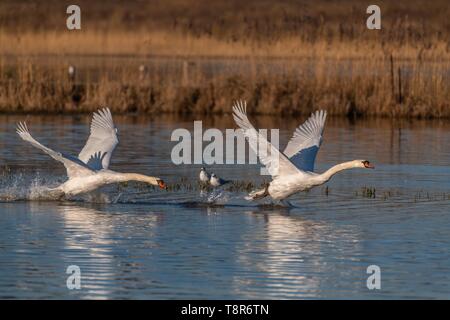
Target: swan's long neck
324 177
124 177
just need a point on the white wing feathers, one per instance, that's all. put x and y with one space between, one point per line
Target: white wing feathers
95 155
73 165
276 163
305 143
101 142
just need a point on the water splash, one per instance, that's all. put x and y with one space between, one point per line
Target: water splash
17 186
10 189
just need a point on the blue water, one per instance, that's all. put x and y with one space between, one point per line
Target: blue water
131 241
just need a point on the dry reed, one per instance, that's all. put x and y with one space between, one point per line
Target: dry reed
288 57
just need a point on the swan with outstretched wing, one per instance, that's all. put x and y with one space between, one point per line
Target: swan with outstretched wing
292 171
89 170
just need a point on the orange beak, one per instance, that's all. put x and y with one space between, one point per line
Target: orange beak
161 184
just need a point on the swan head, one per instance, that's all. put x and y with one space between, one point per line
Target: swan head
366 164
152 180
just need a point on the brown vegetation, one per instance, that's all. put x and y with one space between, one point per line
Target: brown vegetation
284 57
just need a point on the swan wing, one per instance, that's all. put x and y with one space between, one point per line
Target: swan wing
305 143
75 167
276 163
101 142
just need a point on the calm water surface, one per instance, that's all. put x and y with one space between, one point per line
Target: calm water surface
131 241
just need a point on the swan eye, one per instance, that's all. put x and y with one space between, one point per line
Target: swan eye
367 164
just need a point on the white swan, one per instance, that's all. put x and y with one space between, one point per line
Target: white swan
89 170
291 170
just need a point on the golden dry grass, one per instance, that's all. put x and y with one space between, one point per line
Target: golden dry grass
342 87
164 43
284 57
227 28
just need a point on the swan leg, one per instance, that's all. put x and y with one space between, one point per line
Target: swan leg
55 193
286 203
258 194
116 199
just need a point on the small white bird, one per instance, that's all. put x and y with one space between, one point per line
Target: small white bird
204 176
90 169
215 181
292 170
71 72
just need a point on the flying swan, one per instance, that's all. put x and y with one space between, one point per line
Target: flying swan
292 170
89 170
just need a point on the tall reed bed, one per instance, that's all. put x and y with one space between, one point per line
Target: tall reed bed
286 56
374 87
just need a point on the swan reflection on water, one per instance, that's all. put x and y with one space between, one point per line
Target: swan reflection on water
260 252
286 253
103 244
292 254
